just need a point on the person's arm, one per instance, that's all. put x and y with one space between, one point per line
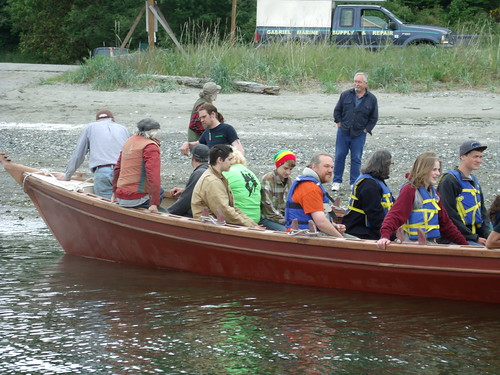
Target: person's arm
337 111
78 156
152 163
215 197
493 241
188 146
183 204
116 175
370 195
269 211
449 189
325 225
373 118
399 213
448 229
397 216
237 144
485 229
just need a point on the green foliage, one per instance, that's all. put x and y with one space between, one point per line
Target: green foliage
54 31
303 66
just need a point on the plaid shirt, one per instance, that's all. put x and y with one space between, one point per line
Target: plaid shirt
273 196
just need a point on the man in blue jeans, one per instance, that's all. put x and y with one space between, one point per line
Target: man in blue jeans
355 114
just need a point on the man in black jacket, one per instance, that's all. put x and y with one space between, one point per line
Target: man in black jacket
199 161
355 114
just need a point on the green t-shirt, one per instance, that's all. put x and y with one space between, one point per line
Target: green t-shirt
246 190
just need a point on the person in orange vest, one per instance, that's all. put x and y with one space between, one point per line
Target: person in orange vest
136 177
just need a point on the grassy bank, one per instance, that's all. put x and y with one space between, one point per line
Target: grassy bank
302 67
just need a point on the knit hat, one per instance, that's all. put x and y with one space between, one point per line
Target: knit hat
103 114
282 156
147 124
210 88
200 153
469 146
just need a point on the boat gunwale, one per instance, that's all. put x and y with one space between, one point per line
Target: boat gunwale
259 234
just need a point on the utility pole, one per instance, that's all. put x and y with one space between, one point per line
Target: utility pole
233 22
151 25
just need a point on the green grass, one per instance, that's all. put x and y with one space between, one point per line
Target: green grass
302 67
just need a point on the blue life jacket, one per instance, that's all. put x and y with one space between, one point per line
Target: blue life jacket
294 210
468 201
424 215
387 200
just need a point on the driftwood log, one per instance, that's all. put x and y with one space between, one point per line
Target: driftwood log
244 86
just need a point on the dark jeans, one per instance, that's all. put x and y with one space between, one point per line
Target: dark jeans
343 145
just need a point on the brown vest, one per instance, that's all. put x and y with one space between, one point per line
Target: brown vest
132 169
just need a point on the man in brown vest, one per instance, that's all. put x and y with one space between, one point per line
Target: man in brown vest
136 178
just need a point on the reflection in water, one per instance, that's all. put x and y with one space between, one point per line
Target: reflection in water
63 314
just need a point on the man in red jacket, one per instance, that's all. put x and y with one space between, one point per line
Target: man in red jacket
136 178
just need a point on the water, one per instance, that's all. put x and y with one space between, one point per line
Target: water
64 314
69 315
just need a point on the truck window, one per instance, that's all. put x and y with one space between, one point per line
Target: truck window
347 18
371 18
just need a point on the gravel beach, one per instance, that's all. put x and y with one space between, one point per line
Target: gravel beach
40 124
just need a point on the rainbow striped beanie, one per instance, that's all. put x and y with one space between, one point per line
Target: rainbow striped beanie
282 156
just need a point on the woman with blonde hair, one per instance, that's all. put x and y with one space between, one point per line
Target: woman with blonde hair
245 186
418 206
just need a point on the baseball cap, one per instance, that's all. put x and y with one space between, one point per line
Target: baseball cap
200 153
469 146
103 114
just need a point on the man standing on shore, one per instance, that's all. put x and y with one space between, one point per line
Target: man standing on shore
355 114
103 141
463 198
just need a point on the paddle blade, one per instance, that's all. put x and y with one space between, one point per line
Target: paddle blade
422 239
221 220
400 234
312 227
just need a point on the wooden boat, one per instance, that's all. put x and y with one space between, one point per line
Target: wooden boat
91 226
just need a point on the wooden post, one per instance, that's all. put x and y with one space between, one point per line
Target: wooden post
132 29
151 25
233 22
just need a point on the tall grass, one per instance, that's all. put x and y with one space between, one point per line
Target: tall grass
304 66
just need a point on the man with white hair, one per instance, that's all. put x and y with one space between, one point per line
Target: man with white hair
103 141
355 114
136 178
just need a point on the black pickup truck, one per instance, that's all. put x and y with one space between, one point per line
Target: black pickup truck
371 26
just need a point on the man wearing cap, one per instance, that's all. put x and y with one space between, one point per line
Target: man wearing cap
274 190
462 196
103 141
136 178
207 95
199 161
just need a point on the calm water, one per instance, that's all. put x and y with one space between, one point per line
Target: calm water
69 315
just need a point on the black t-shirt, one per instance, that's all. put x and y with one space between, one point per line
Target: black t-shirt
222 134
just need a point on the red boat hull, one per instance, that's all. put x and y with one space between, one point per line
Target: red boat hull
90 228
93 227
